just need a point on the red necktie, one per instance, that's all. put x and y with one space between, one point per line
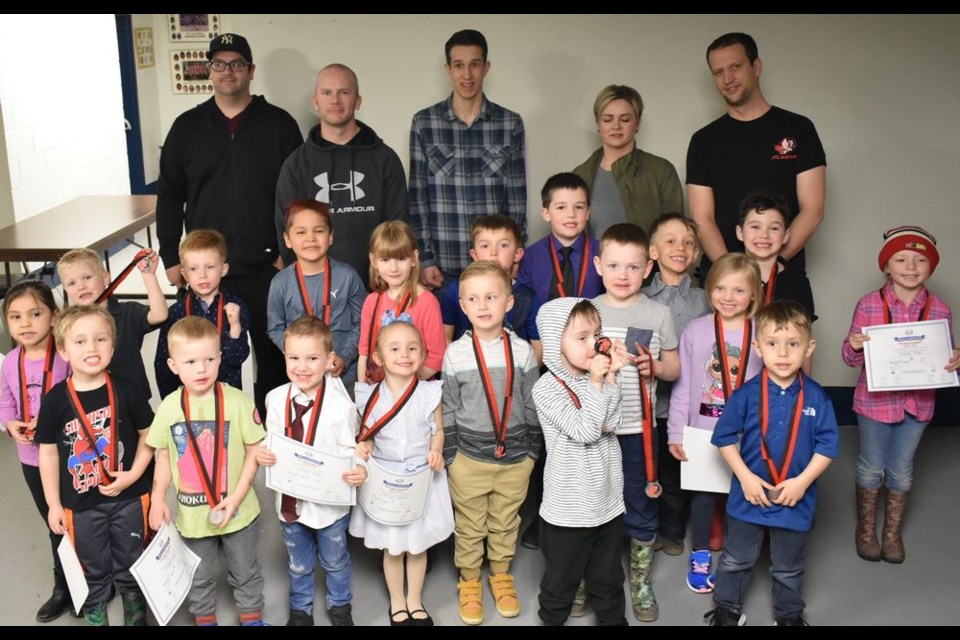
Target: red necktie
288 504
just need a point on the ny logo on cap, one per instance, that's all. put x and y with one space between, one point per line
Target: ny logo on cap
323 181
226 39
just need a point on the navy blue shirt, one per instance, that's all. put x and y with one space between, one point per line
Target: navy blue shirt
521 319
818 434
537 271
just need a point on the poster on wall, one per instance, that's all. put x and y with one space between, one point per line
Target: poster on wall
190 71
143 44
193 27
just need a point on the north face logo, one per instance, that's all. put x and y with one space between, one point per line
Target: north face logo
323 181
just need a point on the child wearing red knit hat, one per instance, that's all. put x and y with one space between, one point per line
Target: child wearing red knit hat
892 422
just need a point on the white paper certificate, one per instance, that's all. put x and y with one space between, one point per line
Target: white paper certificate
73 572
908 355
394 498
705 469
307 473
165 572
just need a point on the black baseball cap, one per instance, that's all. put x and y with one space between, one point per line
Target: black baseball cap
230 42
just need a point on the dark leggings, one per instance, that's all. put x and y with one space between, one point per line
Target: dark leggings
32 476
702 506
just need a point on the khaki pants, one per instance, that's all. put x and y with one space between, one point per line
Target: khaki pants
486 502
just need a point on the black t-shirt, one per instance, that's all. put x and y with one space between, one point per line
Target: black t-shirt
132 325
793 285
80 475
734 158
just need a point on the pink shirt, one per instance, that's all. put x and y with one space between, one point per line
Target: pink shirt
10 394
889 406
426 318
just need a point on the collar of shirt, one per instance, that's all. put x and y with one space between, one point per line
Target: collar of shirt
897 306
577 245
792 390
451 115
657 285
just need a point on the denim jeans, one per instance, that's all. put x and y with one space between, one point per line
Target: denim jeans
641 515
886 452
304 546
787 562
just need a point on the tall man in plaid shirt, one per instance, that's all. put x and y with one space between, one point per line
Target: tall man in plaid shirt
466 160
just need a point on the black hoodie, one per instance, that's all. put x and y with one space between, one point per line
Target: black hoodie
362 181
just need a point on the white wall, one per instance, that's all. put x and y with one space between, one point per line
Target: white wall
148 96
62 109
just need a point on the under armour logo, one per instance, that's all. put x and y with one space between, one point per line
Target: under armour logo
323 181
226 39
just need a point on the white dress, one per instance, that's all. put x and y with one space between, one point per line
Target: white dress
401 447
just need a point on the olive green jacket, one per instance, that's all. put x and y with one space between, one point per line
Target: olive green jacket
648 184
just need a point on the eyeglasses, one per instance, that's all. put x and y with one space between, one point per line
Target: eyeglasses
235 65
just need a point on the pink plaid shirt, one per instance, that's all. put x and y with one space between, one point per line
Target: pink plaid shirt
889 406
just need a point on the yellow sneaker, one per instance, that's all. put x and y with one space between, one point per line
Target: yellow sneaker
471 601
505 595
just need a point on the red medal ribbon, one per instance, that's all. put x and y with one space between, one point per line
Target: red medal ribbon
728 384
310 433
653 489
211 482
86 429
573 396
143 253
45 384
771 283
584 265
368 432
778 476
375 321
500 420
219 311
305 296
924 313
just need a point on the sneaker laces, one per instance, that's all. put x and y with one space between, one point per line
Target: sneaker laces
700 567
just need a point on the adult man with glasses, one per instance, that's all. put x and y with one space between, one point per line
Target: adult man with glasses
218 170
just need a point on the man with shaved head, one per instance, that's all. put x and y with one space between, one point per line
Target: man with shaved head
344 164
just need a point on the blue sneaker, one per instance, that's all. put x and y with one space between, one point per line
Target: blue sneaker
700 579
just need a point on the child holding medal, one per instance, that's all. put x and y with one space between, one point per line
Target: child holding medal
401 430
203 263
94 463
892 422
317 285
314 408
714 361
206 437
491 438
787 433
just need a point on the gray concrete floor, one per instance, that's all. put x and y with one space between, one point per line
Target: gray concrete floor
840 589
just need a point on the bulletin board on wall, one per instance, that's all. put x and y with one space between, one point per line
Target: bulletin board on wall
190 71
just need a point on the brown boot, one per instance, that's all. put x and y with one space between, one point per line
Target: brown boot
866 534
892 546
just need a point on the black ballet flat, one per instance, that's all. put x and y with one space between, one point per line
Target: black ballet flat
406 622
421 622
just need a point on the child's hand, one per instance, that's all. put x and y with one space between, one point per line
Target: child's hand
754 489
435 460
337 366
642 360
954 363
228 506
676 450
265 457
57 520
857 340
22 432
356 476
149 263
159 513
619 356
599 366
121 480
232 311
364 449
791 491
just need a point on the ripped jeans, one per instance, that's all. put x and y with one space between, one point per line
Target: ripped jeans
304 546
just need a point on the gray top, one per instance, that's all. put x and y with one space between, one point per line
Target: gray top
606 203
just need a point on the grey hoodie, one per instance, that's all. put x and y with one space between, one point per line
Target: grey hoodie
583 475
